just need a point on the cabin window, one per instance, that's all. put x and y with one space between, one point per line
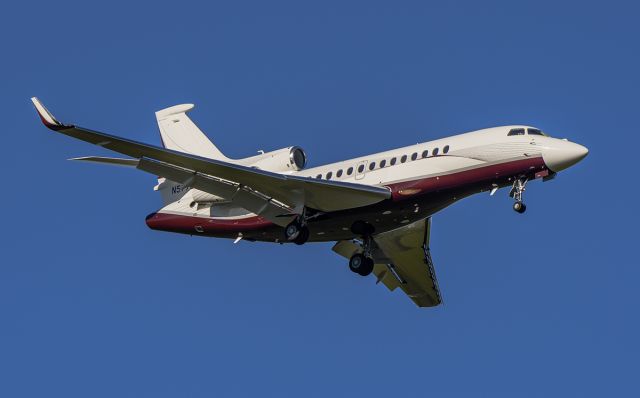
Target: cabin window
392 161
329 174
425 153
535 132
414 156
516 132
445 149
319 176
435 152
339 173
350 171
372 165
383 162
403 159
360 168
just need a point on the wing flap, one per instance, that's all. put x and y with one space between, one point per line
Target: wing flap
229 190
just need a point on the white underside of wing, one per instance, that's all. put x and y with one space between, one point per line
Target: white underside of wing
407 250
402 259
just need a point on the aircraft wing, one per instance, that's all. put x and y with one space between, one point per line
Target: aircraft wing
403 259
262 192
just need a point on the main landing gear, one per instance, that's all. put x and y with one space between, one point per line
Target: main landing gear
297 231
516 192
362 263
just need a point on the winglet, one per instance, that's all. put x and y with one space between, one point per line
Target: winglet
46 116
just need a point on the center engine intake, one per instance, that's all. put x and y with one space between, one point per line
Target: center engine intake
281 160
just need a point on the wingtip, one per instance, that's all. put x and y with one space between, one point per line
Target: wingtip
46 116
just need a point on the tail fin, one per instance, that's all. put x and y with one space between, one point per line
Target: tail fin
179 133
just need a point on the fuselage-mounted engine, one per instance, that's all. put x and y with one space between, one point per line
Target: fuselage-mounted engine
281 160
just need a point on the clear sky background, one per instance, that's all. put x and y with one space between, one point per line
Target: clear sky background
93 303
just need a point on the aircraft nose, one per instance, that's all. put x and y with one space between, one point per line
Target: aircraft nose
563 154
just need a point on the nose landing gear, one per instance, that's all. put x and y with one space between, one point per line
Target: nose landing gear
519 207
516 192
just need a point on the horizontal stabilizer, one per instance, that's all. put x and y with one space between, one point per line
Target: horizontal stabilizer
111 161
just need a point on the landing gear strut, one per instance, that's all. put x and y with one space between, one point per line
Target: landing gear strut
517 192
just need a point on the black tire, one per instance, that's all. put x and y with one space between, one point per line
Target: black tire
519 207
356 262
292 231
367 267
360 264
302 237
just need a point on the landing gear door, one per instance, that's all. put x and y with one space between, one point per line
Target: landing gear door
361 169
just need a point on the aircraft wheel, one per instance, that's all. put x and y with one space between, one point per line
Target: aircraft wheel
292 231
356 262
360 264
367 267
519 207
302 237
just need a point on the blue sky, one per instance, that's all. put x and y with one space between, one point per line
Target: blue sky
93 303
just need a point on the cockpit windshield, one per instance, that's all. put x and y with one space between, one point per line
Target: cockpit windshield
535 132
523 131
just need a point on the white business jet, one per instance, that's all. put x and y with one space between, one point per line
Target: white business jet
377 208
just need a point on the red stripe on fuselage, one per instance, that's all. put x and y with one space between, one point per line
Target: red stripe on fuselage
187 224
457 181
403 190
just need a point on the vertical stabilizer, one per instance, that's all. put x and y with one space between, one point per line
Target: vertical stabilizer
179 133
170 191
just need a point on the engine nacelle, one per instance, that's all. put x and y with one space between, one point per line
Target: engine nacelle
281 160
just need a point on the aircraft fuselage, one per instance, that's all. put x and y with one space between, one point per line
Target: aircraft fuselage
423 179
